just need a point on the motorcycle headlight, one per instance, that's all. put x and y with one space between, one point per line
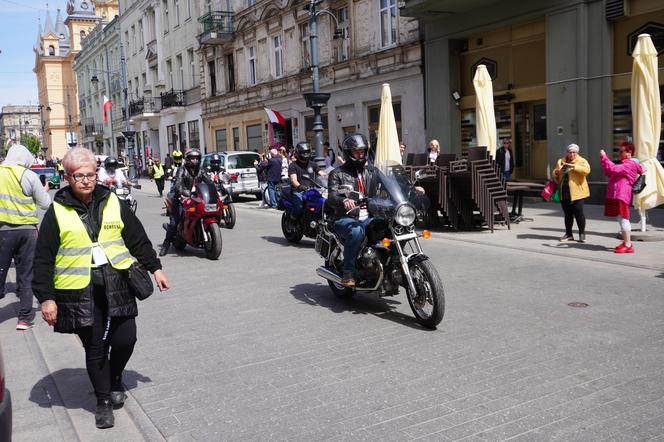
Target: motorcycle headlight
405 215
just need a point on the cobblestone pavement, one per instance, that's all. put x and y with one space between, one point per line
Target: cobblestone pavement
256 347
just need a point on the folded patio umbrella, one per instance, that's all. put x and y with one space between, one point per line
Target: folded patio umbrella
387 148
485 117
646 118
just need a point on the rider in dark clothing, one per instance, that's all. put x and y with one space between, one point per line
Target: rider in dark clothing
296 172
184 182
350 224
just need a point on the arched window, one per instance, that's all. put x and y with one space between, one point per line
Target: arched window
51 50
82 35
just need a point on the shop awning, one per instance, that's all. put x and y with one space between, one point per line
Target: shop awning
275 117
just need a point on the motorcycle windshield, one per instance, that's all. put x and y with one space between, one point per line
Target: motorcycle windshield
390 186
207 193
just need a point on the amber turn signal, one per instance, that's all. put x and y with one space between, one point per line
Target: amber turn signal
426 234
386 242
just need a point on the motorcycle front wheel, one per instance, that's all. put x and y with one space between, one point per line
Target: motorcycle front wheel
428 303
133 205
213 244
229 216
291 228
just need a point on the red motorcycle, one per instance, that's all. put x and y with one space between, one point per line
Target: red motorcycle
199 223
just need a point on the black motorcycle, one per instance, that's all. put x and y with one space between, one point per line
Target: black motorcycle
306 222
391 255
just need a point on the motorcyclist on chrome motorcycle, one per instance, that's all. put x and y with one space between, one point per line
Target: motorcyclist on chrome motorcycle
183 183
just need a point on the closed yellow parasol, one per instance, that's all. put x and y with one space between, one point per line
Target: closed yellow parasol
485 117
387 149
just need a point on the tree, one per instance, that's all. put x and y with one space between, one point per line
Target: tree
33 143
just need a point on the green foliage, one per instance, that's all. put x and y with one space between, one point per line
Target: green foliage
33 143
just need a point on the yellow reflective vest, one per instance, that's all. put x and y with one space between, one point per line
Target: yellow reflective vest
158 171
15 206
73 262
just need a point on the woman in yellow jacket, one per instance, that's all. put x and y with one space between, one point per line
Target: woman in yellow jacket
571 172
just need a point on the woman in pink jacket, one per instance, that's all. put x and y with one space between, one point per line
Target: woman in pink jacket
619 190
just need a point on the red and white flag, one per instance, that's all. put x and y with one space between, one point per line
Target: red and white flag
275 117
108 104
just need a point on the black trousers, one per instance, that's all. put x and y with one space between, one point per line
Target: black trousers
160 185
117 334
574 210
19 245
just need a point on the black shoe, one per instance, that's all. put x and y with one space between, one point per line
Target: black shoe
582 237
104 414
118 399
164 249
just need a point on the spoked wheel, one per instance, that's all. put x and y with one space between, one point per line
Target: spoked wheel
213 243
229 216
428 303
266 197
291 228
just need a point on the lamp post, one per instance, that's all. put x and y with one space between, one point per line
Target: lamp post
316 100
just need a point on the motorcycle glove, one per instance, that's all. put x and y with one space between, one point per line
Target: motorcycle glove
302 188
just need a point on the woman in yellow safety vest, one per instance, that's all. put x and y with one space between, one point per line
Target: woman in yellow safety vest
87 242
158 175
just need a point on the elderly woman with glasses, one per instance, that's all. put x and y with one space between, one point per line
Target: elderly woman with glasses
571 172
87 242
619 191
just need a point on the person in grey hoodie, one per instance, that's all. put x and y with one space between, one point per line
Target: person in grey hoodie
21 191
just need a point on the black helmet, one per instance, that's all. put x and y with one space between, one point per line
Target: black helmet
177 157
355 141
110 164
215 162
192 159
303 151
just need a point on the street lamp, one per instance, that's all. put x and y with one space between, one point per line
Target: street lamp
317 100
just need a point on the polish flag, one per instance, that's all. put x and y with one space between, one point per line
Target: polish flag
108 104
275 117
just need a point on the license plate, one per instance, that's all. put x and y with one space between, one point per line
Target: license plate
211 207
248 175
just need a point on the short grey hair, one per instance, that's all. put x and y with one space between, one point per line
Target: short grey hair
76 158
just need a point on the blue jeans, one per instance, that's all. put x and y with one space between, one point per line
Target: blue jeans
298 203
352 231
507 175
272 194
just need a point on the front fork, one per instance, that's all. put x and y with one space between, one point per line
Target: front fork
404 259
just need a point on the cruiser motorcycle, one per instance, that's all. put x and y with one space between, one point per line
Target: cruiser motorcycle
391 255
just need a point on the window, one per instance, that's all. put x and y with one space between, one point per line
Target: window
182 131
172 137
127 40
176 7
194 139
180 67
305 45
145 80
222 142
236 138
140 35
82 35
252 66
188 8
51 50
251 3
278 57
164 10
388 22
343 44
192 68
169 72
254 137
133 39
230 72
213 78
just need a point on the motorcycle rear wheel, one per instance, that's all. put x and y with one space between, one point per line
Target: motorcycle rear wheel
291 228
428 304
230 216
213 244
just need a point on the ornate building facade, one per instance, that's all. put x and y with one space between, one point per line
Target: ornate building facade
57 45
18 120
257 55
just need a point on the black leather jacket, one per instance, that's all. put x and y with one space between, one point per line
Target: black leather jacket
184 181
344 175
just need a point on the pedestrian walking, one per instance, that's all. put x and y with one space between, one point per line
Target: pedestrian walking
87 242
271 169
571 172
20 192
619 191
505 159
158 176
61 169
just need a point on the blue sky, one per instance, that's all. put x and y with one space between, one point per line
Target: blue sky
18 33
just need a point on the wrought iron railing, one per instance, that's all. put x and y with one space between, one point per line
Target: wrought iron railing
143 105
217 21
172 98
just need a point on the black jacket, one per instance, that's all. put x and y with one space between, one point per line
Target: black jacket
345 174
184 181
76 307
500 159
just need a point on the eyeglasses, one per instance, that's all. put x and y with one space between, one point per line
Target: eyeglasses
78 177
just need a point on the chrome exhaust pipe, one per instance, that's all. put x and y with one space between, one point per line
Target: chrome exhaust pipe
327 274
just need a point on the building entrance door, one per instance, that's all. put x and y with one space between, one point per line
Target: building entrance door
530 143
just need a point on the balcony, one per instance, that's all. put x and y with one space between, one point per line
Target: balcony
172 99
217 27
143 106
90 128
